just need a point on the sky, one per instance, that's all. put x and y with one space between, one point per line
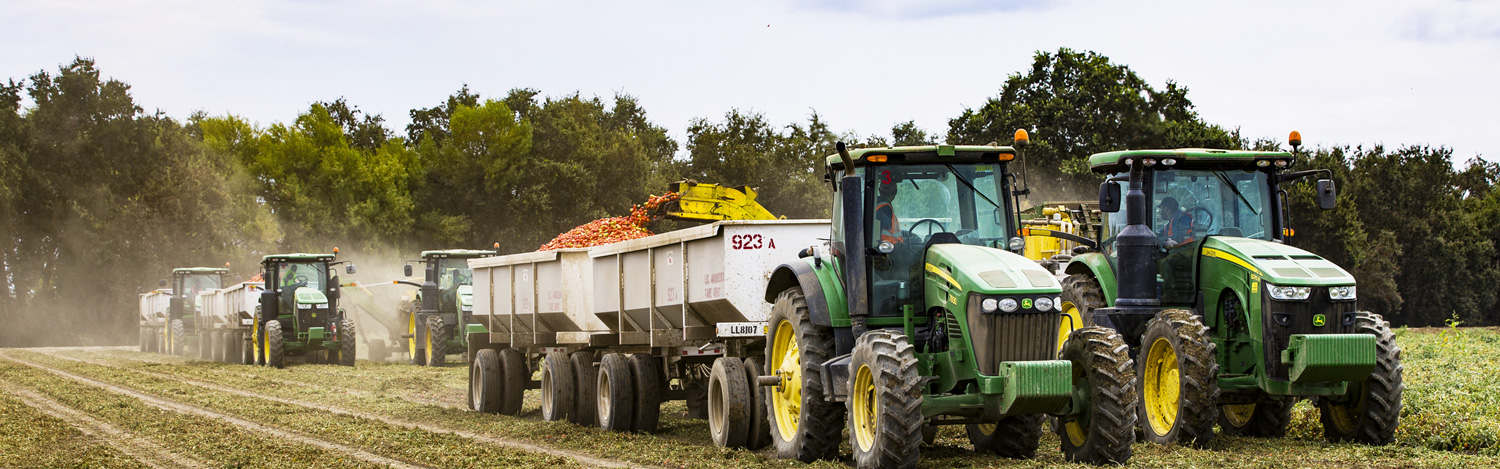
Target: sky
1340 72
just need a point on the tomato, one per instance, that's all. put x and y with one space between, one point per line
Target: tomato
613 229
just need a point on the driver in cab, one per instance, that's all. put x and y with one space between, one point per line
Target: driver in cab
890 227
1179 227
292 278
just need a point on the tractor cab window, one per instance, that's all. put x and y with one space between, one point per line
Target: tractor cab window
293 275
192 285
454 272
1191 204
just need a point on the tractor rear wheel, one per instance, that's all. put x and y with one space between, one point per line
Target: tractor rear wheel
1370 410
179 332
1102 370
728 403
557 387
616 393
348 339
585 411
484 382
885 401
1015 437
647 378
1081 295
437 341
515 375
414 351
1179 380
804 426
1267 418
760 432
275 355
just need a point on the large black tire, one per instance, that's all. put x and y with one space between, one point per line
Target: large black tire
585 410
1015 437
616 394
647 378
437 341
1373 411
728 403
348 343
275 355
258 340
1081 295
515 375
885 401
247 350
415 354
1267 418
485 386
557 387
760 431
1176 346
1101 364
177 342
805 427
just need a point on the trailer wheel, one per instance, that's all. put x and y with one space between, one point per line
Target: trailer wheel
484 382
348 338
179 331
1370 410
1103 371
803 425
885 401
247 348
616 394
728 403
584 411
1015 437
760 432
515 375
1179 380
1081 295
437 341
414 352
647 378
275 355
557 387
1267 418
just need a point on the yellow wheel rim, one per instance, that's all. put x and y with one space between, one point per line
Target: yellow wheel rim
431 351
1238 415
863 395
786 399
1071 319
986 428
411 330
1075 433
1162 386
1345 418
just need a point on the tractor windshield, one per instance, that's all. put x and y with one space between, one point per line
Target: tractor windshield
1190 204
454 272
194 284
915 202
302 274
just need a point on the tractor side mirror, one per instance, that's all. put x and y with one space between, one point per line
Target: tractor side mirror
1109 197
350 270
161 283
406 269
1326 194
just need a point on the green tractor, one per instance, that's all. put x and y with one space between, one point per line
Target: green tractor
1228 322
181 326
922 312
299 314
443 303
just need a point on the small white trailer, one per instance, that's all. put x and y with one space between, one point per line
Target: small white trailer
226 317
152 316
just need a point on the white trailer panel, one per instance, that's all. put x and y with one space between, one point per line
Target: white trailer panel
229 308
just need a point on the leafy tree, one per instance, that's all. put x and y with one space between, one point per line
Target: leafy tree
433 121
785 169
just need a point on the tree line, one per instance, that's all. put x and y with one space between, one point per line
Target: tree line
99 198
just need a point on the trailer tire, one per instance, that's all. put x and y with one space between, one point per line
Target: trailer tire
885 401
1268 418
728 403
484 382
275 354
557 387
1372 415
1178 359
436 341
1015 437
348 343
616 394
1101 365
804 427
247 349
585 412
176 343
760 432
515 375
647 378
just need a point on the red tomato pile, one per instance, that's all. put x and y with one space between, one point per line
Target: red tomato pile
612 230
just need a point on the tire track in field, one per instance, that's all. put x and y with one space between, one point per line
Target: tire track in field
135 446
179 407
581 458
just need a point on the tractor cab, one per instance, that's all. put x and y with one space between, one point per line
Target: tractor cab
302 289
187 283
438 316
452 278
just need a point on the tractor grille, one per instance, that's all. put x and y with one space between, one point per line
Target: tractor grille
1283 319
306 320
1020 336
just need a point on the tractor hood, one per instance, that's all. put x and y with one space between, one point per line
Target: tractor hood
466 295
310 296
1275 262
978 269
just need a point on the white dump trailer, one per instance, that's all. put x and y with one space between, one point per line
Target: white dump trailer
225 319
616 329
152 316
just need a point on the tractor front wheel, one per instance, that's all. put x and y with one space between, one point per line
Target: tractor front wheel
1179 380
1102 370
804 426
1370 410
179 332
347 337
1266 419
275 355
1081 295
1015 437
885 401
437 341
414 351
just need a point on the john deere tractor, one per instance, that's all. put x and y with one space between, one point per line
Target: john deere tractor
181 325
299 314
922 312
1228 322
439 315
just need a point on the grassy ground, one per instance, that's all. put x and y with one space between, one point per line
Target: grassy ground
1450 418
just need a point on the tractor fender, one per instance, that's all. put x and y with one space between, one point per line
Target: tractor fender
801 273
1097 265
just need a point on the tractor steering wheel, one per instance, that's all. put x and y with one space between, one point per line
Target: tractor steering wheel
1201 224
301 279
930 232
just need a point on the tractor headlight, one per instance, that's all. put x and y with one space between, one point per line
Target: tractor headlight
1288 293
468 308
989 305
1341 293
1043 304
1009 305
304 305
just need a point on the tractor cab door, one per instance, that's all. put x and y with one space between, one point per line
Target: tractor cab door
1193 204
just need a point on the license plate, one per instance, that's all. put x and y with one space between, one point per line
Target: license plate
741 329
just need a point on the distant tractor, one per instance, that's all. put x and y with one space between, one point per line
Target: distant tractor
1229 323
169 322
439 315
299 313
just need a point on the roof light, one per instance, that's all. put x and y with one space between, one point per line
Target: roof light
1006 156
1295 139
1149 161
335 250
1263 163
1282 163
497 245
1022 138
1169 161
876 158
